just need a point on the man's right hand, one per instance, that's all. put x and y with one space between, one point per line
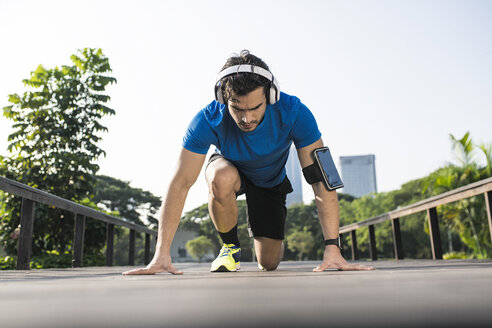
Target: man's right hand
155 267
187 171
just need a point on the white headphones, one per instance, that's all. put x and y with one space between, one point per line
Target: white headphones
274 92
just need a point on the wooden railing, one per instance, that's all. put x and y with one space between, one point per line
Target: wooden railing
430 204
30 196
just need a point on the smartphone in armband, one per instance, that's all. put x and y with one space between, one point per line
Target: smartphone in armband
328 169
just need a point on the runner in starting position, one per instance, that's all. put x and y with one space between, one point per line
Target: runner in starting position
252 125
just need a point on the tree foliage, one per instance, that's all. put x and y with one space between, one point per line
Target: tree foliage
199 247
463 223
54 146
300 241
466 217
132 204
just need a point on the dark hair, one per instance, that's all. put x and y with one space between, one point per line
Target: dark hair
243 83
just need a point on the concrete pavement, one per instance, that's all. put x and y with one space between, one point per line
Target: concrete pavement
409 293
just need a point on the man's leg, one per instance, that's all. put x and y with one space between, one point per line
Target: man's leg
223 183
266 218
269 252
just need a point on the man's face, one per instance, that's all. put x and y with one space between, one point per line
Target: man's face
248 110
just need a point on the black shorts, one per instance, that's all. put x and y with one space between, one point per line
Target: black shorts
266 211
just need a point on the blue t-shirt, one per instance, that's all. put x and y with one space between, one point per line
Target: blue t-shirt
262 153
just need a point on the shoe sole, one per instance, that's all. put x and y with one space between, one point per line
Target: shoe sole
223 268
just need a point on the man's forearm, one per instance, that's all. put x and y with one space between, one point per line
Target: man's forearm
328 210
329 217
170 214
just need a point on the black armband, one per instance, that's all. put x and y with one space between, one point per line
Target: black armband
312 173
323 169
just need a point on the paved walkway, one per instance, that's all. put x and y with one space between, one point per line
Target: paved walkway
409 293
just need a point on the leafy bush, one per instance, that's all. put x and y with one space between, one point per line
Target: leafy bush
8 263
456 256
52 259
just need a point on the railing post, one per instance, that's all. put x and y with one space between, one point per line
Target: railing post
435 235
154 242
488 206
25 236
395 225
147 249
355 251
131 252
342 245
109 244
78 240
372 243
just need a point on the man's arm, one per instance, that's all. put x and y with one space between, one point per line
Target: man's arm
329 216
187 171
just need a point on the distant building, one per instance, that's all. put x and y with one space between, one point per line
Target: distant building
178 247
294 173
358 174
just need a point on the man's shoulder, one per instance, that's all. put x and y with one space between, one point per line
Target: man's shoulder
202 130
213 113
287 109
288 102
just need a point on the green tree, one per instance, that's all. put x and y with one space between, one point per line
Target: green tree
133 204
300 241
301 215
375 204
199 247
54 146
487 152
466 217
122 246
464 152
199 221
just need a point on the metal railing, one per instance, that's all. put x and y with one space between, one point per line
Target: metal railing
31 195
430 204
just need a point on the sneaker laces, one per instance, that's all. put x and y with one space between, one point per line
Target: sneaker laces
225 251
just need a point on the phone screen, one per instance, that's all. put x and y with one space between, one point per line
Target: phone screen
328 168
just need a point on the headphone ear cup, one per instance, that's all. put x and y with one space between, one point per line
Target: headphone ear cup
274 95
218 93
220 98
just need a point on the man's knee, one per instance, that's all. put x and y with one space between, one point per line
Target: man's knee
268 264
222 182
269 252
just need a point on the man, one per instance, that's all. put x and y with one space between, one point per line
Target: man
252 124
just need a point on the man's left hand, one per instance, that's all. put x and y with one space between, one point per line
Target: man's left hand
333 259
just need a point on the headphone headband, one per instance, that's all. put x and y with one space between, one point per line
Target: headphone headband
274 88
245 69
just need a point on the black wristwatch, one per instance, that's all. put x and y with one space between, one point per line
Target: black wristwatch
336 241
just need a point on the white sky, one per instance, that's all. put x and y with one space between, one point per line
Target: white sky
390 78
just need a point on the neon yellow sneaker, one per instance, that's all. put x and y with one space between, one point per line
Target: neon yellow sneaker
228 260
